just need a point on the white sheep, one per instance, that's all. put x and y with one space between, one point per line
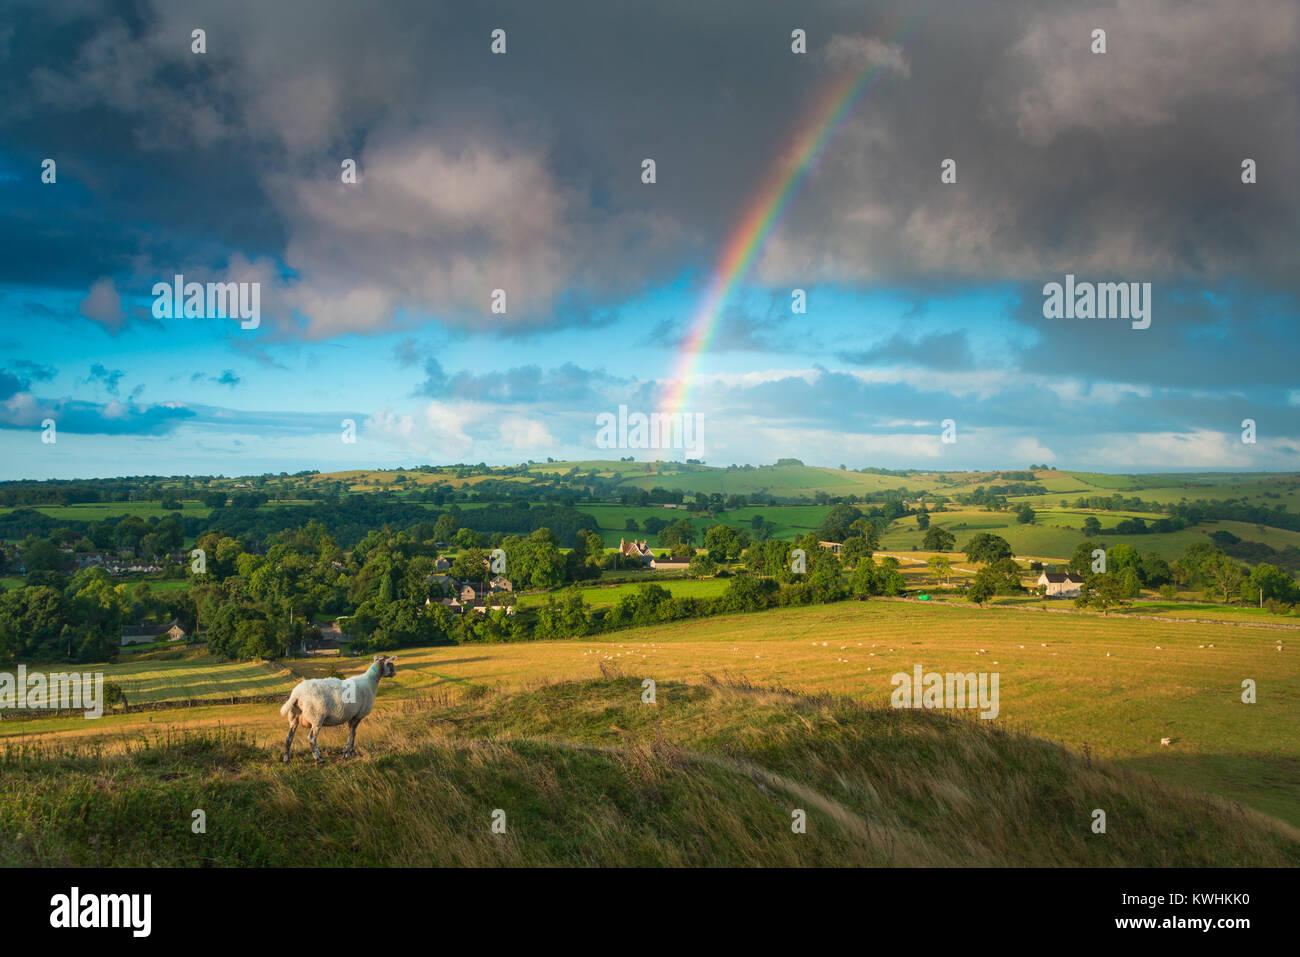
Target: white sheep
319 703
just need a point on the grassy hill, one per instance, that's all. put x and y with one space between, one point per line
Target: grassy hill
1114 686
586 774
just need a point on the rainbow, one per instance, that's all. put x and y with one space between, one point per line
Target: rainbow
761 216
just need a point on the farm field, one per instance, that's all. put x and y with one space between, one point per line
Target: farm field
1115 686
600 596
163 678
98 511
1052 536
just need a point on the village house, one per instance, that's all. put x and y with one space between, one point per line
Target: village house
636 551
474 591
449 603
483 606
501 583
443 563
834 547
143 634
1060 584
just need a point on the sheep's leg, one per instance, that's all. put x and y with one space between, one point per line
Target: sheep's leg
352 737
288 739
311 736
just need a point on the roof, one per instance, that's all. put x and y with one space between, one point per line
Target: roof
1058 577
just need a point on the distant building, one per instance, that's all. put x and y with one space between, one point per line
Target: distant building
668 565
833 547
637 551
143 634
501 583
1061 585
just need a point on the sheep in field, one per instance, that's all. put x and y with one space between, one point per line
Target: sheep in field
317 703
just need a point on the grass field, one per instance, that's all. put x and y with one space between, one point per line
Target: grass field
601 596
177 674
585 774
98 511
1116 686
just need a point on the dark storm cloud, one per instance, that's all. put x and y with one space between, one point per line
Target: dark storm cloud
522 171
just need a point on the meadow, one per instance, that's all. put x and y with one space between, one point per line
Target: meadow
1110 688
585 774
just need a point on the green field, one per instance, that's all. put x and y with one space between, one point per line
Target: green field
602 596
161 677
98 511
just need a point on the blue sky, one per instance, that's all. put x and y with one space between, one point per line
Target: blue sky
522 172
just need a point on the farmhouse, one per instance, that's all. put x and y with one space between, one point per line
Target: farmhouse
142 634
501 583
637 551
1061 585
833 547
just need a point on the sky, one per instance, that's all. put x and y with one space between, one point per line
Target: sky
923 342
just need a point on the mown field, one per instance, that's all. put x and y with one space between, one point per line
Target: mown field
1110 687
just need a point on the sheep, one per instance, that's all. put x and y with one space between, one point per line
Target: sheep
324 702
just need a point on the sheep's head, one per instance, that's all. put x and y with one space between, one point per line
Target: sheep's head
386 667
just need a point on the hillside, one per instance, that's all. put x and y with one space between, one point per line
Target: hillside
588 775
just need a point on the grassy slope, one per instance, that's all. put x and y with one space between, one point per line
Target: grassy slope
1077 679
588 775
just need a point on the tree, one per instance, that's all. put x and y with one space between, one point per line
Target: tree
855 549
938 539
1155 571
1102 591
982 588
444 529
1025 515
679 532
1121 558
1269 581
1226 575
940 567
987 548
703 566
1081 561
1091 526
922 519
